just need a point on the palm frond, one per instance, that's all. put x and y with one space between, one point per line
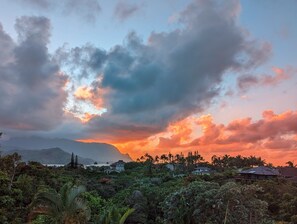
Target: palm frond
73 193
64 205
49 199
64 193
125 215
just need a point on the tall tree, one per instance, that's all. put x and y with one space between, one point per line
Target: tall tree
72 161
157 159
149 163
0 144
170 157
10 164
164 158
290 164
76 162
216 161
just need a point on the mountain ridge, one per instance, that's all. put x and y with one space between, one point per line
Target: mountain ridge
98 152
47 156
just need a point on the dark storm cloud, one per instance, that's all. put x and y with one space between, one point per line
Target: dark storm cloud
175 74
31 87
144 86
123 10
82 62
88 9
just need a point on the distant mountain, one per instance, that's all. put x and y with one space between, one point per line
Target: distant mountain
47 156
99 152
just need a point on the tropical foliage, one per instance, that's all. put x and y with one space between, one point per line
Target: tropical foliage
65 207
147 192
115 216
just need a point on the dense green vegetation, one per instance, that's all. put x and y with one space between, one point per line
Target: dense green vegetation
147 192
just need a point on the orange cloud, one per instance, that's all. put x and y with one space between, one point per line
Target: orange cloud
87 116
274 137
245 82
279 75
95 96
83 93
274 134
180 133
211 131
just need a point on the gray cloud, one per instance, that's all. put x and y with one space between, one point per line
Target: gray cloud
87 9
42 4
82 62
31 87
123 10
144 86
244 82
6 46
175 74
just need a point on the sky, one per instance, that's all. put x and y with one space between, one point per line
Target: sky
153 76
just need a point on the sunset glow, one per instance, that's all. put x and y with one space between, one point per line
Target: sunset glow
219 77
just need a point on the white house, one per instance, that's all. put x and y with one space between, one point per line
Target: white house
118 166
201 171
170 166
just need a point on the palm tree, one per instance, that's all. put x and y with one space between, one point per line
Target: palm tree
164 158
170 157
177 158
226 161
290 164
197 157
63 207
216 161
149 162
114 216
157 159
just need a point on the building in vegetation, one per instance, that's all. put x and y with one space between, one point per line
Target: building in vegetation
289 173
259 173
118 166
201 170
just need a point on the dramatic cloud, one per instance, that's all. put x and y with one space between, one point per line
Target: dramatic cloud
272 126
123 10
91 95
136 89
32 92
149 85
88 9
81 62
270 137
180 134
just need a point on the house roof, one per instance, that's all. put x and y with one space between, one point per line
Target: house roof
120 162
202 168
288 171
261 170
